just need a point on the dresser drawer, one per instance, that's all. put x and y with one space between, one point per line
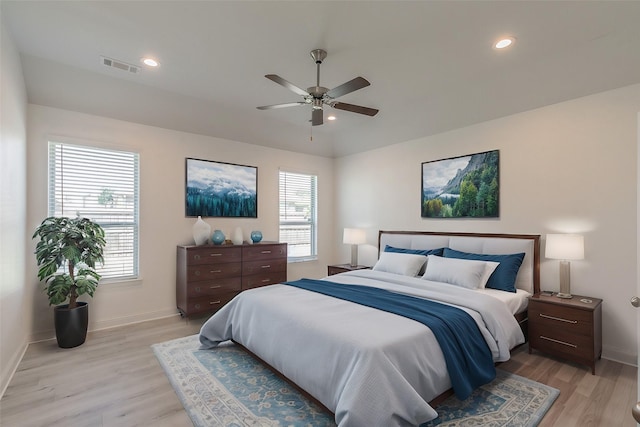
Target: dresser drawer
263 279
262 252
213 254
552 317
210 303
213 271
213 287
264 266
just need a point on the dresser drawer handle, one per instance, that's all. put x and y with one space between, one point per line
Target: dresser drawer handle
265 266
568 344
196 257
214 302
558 318
266 280
265 252
215 271
215 286
215 254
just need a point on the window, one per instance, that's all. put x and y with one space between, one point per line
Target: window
298 215
102 185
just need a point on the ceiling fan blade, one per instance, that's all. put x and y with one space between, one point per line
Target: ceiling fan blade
288 104
288 85
316 117
348 87
355 108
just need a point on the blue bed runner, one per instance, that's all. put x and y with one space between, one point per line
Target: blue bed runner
469 360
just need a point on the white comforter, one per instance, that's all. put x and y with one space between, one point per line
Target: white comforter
370 367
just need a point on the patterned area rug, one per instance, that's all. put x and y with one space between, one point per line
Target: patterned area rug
227 387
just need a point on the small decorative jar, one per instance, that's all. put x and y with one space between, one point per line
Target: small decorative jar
237 237
218 237
256 236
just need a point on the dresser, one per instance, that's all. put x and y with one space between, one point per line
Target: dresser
209 276
567 328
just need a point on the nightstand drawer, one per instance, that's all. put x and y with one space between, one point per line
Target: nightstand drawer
561 341
551 317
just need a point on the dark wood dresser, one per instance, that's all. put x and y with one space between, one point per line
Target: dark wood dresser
209 276
567 328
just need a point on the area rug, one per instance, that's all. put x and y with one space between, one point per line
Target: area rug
227 387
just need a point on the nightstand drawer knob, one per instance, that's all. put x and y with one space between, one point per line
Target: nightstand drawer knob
568 344
558 318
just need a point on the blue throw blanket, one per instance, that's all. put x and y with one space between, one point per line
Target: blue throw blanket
469 360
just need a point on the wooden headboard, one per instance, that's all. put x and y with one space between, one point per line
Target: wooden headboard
482 243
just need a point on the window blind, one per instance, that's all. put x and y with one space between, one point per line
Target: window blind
298 214
102 185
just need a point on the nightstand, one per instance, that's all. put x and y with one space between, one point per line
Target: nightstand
567 328
341 268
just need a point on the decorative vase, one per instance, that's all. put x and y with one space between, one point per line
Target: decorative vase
201 232
237 237
218 237
256 236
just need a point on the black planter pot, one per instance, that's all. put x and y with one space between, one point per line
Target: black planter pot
71 324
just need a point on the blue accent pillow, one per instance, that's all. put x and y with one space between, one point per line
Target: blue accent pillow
504 277
425 252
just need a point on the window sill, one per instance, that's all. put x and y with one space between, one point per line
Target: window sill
120 283
301 259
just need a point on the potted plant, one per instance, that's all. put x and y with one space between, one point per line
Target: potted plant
67 253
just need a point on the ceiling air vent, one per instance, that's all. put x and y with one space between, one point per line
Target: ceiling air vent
120 65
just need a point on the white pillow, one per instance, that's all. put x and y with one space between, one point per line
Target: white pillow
399 263
490 267
470 274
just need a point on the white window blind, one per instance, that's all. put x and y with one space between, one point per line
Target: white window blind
298 214
102 185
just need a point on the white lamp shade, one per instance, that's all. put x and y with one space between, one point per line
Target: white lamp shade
354 236
564 246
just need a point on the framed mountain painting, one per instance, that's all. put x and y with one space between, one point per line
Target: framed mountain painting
462 187
217 189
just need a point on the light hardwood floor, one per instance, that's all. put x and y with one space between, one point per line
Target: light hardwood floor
115 380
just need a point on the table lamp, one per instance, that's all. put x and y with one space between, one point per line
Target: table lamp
564 247
354 237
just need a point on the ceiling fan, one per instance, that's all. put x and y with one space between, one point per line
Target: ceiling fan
317 96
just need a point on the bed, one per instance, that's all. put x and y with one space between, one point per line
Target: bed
369 365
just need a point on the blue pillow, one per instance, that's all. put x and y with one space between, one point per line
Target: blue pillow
504 276
425 252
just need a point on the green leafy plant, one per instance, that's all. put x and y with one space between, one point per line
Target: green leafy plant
67 253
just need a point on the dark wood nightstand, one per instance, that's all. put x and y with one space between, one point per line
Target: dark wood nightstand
341 268
567 328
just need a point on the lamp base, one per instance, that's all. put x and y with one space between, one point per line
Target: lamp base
564 296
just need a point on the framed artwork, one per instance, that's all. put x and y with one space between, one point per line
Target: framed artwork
462 187
217 189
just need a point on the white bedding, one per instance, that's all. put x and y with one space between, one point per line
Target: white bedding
370 367
516 302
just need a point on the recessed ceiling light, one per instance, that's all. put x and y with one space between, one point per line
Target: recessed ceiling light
150 62
331 117
504 42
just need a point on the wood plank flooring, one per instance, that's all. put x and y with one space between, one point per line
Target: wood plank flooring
115 380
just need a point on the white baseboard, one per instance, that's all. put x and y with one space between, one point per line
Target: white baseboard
619 356
110 323
11 368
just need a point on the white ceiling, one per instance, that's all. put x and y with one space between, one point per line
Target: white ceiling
430 63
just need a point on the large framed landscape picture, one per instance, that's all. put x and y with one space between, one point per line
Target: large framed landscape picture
217 189
462 187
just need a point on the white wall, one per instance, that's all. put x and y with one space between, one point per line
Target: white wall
14 325
569 167
162 218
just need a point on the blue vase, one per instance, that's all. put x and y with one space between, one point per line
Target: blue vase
217 237
256 236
